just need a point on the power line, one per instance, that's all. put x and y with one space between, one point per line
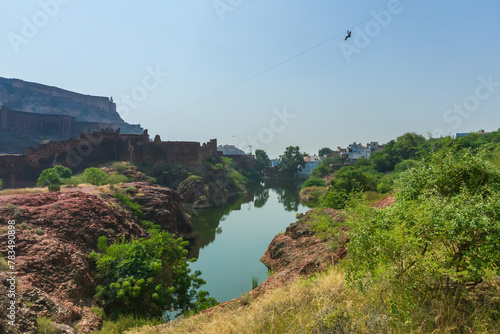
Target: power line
270 68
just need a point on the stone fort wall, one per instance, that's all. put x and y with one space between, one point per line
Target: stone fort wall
97 148
59 126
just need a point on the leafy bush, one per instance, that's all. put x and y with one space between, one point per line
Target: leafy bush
63 172
145 277
116 178
348 180
46 326
53 176
442 231
136 208
54 187
1 184
313 181
3 264
48 176
95 176
334 198
119 167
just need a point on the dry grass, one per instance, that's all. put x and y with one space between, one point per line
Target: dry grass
323 304
23 191
297 308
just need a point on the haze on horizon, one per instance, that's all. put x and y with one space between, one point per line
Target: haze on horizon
268 74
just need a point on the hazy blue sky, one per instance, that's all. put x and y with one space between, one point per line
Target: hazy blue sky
408 69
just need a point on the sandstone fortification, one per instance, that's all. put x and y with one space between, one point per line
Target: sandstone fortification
97 148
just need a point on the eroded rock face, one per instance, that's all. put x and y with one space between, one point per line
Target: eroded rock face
300 252
55 233
162 206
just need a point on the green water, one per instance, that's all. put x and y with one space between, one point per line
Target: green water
230 241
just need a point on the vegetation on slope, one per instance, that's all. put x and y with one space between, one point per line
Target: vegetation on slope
379 171
428 264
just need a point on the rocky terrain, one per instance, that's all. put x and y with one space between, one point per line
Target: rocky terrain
201 187
55 232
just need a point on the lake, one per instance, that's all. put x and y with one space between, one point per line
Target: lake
229 241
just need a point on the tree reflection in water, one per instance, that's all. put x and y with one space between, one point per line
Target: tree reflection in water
206 222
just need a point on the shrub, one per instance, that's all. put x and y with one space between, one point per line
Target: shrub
119 167
145 277
1 184
116 178
136 208
53 176
54 187
17 214
313 181
3 264
48 177
39 231
46 326
63 172
95 176
442 231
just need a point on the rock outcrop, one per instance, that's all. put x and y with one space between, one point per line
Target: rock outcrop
162 206
55 233
299 251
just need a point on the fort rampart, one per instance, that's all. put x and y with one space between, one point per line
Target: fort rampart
97 148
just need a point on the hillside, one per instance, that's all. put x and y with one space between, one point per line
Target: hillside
34 113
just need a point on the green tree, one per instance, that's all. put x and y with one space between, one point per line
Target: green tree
53 176
145 277
63 172
48 177
324 168
324 151
262 161
408 145
291 160
95 176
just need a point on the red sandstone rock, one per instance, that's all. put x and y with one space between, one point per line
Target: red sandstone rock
56 231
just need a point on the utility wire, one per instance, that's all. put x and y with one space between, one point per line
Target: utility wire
269 68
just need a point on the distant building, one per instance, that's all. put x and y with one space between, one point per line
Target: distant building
463 134
230 150
308 168
356 151
313 158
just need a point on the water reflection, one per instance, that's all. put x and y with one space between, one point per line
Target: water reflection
242 230
288 193
206 222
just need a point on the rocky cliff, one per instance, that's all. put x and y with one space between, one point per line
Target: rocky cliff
56 231
41 99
